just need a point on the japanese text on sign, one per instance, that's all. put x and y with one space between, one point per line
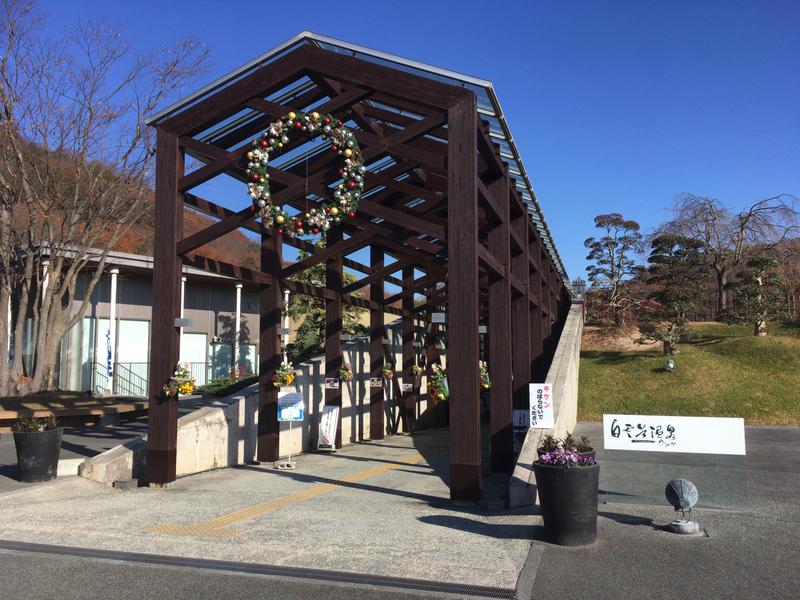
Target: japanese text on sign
655 433
541 406
290 406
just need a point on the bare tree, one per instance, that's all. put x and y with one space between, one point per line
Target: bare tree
76 166
730 238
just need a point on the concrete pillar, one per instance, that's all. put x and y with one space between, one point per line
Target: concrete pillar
237 330
112 331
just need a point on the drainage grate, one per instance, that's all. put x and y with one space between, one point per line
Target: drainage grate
270 570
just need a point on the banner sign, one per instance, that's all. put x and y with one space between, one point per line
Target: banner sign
655 433
376 382
542 415
327 428
290 406
331 383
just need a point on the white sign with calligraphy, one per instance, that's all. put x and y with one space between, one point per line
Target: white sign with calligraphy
542 415
328 425
656 433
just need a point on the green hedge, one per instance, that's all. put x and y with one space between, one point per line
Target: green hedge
226 386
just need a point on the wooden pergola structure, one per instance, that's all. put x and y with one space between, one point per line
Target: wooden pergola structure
438 199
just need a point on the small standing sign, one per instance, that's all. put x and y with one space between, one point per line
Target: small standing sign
328 425
291 408
331 383
376 382
541 406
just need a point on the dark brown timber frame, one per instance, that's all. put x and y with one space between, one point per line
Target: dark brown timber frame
441 220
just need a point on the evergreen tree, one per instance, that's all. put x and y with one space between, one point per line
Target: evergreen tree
677 277
757 295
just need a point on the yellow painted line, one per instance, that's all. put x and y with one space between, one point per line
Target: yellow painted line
217 527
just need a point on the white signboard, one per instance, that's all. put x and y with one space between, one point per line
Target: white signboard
376 382
654 433
331 383
327 428
290 406
542 415
406 387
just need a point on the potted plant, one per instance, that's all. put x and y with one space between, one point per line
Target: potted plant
346 372
438 394
388 371
181 381
582 446
549 443
485 385
567 485
284 375
38 443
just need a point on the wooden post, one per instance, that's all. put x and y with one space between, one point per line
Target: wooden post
463 290
500 336
162 422
540 366
520 316
377 331
408 399
269 341
333 327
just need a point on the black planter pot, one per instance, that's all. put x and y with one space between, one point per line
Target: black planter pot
568 499
37 454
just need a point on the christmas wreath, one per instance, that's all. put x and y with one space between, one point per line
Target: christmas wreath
345 196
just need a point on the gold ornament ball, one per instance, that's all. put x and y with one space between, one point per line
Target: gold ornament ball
280 144
250 156
279 219
348 153
315 115
334 211
308 215
292 115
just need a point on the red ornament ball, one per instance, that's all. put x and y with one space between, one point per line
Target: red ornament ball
298 124
255 177
263 143
334 148
352 213
315 230
327 119
351 184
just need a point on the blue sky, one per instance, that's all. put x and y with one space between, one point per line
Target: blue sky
614 106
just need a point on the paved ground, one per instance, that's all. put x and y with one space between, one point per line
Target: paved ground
378 509
377 515
752 548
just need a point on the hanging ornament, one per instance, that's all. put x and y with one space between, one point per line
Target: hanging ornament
345 196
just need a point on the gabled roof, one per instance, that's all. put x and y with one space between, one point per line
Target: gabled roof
487 101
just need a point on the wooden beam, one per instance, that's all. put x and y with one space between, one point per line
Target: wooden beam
162 420
333 326
500 338
377 332
408 399
381 274
341 248
270 302
462 248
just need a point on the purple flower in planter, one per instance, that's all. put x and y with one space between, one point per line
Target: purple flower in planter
566 457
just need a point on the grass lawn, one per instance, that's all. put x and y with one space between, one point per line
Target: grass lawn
726 372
